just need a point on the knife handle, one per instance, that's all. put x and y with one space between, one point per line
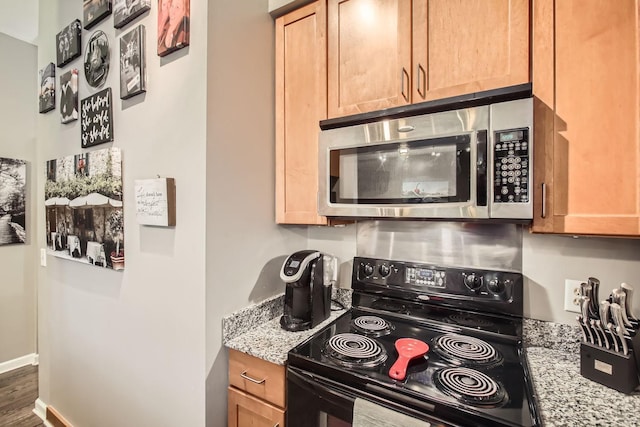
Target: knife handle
582 328
623 340
611 329
628 290
604 335
592 322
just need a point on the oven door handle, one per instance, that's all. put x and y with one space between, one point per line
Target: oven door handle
316 386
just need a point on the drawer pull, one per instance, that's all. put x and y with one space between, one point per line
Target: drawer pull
246 377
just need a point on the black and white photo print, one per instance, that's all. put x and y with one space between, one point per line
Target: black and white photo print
83 208
125 11
96 59
94 11
132 63
13 175
47 93
69 96
69 43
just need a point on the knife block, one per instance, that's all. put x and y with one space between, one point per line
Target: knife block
610 368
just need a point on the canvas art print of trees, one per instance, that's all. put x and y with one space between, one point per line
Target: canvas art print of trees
12 201
83 205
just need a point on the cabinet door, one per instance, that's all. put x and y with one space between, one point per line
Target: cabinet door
465 46
596 132
301 102
369 56
245 410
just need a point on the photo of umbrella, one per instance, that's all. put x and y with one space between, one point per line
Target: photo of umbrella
94 200
57 201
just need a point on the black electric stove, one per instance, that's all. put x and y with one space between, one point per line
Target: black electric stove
474 372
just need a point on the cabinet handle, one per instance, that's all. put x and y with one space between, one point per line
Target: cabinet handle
544 200
276 425
422 80
405 74
246 377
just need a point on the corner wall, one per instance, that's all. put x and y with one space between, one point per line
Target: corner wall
127 348
18 263
245 247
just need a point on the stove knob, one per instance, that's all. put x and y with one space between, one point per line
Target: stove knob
473 282
496 286
367 269
384 270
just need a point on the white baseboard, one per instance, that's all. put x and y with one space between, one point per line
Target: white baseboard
10 365
40 410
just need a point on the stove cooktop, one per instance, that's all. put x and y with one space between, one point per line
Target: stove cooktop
473 372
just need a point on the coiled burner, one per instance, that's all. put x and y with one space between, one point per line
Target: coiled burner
353 351
470 386
461 349
373 326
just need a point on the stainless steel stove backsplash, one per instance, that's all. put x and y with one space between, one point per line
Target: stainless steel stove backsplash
457 244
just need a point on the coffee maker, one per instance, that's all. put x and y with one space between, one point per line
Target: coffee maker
309 276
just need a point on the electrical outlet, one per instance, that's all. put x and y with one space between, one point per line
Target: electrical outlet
572 295
43 257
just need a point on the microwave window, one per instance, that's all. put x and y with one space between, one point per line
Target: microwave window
425 171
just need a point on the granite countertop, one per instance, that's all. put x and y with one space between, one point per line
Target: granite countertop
564 397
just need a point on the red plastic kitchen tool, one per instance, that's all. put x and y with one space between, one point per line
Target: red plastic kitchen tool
408 349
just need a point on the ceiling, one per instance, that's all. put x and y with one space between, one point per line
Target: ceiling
19 19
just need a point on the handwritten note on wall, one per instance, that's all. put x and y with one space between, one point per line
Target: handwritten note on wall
96 118
156 201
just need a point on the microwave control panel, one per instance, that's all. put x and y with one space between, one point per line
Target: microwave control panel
512 166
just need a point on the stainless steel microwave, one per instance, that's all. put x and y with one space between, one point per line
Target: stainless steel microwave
471 163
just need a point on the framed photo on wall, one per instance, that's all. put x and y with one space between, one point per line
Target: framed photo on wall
125 11
13 178
173 25
94 11
69 43
47 93
132 63
96 59
96 119
84 219
69 96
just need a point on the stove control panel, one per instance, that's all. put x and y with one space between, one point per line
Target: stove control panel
427 282
425 277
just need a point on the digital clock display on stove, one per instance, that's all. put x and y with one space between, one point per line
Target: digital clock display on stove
425 277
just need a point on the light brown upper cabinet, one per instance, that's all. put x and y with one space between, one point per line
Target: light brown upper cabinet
388 53
587 116
301 102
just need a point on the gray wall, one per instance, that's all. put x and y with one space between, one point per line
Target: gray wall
245 248
550 259
18 263
128 348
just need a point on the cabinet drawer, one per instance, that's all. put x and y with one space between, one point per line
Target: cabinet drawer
258 377
246 410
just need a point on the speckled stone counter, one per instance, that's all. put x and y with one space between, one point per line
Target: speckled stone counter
566 398
256 330
272 343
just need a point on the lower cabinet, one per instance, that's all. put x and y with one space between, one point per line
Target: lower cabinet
256 392
246 410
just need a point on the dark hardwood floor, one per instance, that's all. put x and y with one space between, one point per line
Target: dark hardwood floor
18 393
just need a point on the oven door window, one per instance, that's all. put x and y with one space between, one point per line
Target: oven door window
427 171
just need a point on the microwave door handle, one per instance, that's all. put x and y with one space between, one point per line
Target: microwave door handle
482 171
